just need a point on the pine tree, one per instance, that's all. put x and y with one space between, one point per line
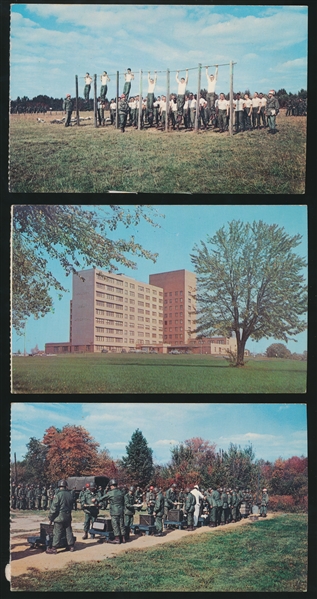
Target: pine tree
138 462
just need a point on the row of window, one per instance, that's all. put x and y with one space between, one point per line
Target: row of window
170 293
173 336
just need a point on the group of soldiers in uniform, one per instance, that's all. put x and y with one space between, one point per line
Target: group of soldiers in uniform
296 107
31 497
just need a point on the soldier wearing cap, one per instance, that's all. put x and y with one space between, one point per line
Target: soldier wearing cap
60 514
264 503
115 498
158 512
89 503
68 107
170 499
272 110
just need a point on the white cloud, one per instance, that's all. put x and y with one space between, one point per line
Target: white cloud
163 442
252 437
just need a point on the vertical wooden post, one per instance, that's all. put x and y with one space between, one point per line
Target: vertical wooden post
231 98
198 94
117 102
167 98
140 100
15 468
95 100
77 110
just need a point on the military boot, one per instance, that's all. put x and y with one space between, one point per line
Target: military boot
116 541
51 550
123 539
85 535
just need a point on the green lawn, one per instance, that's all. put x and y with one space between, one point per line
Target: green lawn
49 158
268 556
154 373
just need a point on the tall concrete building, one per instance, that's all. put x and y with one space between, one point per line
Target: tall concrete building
113 312
179 305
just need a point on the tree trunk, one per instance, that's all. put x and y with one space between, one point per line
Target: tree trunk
240 352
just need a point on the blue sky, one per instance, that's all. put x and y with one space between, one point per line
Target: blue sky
275 430
51 43
182 227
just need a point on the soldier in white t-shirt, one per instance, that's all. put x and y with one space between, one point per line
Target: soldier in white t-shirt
211 82
256 105
262 109
223 112
247 107
150 98
103 89
181 95
163 111
238 112
156 110
192 101
87 87
128 77
113 109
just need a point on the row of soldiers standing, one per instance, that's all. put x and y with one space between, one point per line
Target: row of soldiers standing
31 497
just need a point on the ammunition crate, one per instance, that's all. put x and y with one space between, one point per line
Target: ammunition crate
175 515
102 524
147 519
47 529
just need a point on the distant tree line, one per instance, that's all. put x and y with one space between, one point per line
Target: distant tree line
72 451
279 350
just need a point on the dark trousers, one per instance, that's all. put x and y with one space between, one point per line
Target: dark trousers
58 531
239 123
255 118
86 92
246 119
262 116
103 92
122 119
210 104
222 119
126 88
68 118
149 104
180 104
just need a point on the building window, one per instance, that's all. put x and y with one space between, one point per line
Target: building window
180 293
176 292
154 292
132 294
140 288
141 295
132 302
176 321
140 319
176 328
181 299
171 301
140 311
132 286
165 301
154 313
165 322
176 336
140 303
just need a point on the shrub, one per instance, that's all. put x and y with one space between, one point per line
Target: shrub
288 503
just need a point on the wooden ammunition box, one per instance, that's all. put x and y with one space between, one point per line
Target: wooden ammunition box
147 519
175 515
46 529
103 524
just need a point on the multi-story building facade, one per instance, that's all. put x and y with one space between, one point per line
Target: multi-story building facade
179 305
113 312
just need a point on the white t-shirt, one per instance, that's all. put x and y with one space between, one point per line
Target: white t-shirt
186 105
173 106
132 105
113 106
163 105
247 103
151 86
263 102
182 85
223 104
256 102
193 103
212 83
202 102
238 104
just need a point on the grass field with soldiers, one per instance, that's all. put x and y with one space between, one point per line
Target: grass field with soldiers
47 157
154 373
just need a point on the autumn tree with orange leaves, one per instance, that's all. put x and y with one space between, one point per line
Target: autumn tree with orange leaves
71 452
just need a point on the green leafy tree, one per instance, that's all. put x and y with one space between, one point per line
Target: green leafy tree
278 350
138 463
73 236
35 462
250 282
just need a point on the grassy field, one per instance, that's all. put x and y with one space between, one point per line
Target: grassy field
50 158
268 556
154 373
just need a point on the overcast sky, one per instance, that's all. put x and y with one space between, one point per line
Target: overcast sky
51 43
182 227
275 430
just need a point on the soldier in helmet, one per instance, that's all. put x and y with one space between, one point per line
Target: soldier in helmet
158 512
115 498
190 503
151 500
60 515
38 496
170 499
264 503
89 503
129 511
